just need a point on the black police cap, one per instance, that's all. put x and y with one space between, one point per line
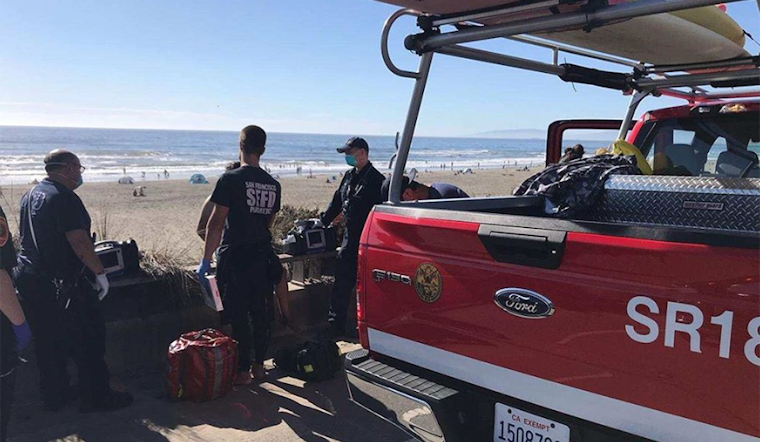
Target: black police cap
354 142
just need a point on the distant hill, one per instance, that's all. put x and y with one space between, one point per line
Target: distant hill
520 134
540 134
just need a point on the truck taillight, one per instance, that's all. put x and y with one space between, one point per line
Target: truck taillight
360 298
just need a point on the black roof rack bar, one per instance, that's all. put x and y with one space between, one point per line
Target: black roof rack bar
743 61
513 9
430 41
566 72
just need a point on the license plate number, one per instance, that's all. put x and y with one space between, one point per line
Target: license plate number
514 425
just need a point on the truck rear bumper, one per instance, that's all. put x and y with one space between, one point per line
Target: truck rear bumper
418 406
434 408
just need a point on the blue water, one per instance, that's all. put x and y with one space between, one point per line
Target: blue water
108 153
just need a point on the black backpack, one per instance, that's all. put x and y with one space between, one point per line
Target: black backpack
310 361
573 187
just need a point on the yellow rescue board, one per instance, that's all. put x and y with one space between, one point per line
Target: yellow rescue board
657 39
715 20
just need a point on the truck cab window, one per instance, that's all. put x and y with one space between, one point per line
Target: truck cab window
703 145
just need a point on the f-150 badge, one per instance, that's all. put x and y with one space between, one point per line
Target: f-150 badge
524 303
382 275
428 282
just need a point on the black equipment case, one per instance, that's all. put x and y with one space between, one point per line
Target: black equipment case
118 257
309 236
715 203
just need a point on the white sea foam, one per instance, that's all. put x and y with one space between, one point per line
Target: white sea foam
107 154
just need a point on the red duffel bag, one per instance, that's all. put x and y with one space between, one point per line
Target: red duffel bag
201 366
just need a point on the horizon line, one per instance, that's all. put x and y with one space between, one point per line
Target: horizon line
273 132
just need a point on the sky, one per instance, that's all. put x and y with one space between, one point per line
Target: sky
289 66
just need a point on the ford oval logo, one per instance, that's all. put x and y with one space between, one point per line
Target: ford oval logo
524 303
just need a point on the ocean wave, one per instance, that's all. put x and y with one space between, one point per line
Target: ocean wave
450 152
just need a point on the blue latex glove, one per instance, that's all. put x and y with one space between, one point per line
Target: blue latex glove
203 269
23 335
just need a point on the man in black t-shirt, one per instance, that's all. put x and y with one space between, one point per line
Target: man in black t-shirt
62 280
14 332
246 199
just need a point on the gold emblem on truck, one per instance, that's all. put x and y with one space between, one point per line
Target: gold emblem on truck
428 282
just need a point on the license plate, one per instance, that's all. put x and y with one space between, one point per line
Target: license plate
514 425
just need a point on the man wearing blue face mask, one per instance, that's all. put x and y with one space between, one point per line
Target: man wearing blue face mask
62 280
358 192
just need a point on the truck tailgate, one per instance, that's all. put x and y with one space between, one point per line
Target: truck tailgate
654 337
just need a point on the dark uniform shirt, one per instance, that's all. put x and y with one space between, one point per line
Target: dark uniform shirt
253 197
358 192
55 210
8 357
445 190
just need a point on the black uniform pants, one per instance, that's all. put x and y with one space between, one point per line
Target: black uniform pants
345 281
247 296
7 386
77 332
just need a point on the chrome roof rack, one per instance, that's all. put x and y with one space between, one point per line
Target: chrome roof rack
685 81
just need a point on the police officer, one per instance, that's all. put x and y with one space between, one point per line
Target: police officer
358 192
246 199
62 281
15 333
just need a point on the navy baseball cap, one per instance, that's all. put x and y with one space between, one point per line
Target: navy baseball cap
354 142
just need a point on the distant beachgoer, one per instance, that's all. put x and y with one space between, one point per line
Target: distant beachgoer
158 176
143 175
124 170
452 165
166 174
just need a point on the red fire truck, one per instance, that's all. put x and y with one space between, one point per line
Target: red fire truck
639 319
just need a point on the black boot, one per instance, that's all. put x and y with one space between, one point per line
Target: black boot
111 401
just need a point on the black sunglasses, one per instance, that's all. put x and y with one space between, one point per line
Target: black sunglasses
81 168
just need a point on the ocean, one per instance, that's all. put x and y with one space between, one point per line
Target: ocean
110 153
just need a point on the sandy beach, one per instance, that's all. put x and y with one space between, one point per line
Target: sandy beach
165 219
